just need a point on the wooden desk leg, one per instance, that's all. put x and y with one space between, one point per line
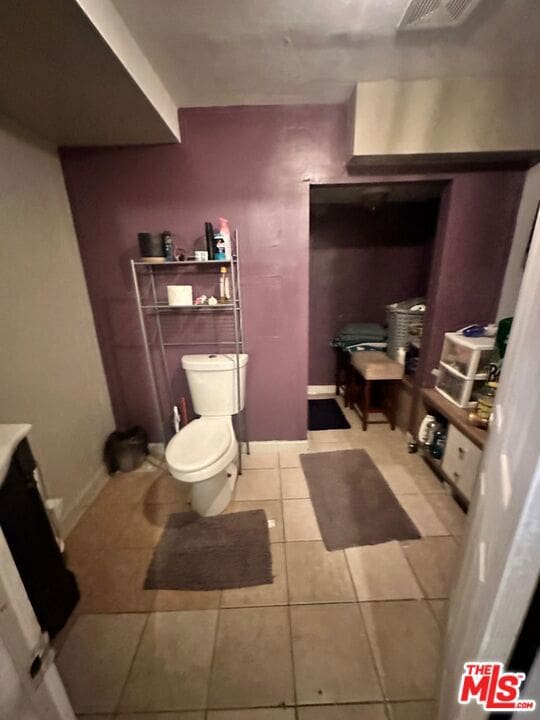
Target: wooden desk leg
366 404
390 402
348 394
337 378
348 397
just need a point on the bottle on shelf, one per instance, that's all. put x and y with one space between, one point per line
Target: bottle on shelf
219 247
224 288
168 249
486 399
225 233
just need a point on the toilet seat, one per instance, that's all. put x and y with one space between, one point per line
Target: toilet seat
201 444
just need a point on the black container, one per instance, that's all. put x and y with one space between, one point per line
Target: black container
209 235
50 586
150 245
126 451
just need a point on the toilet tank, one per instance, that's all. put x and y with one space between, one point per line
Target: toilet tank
212 383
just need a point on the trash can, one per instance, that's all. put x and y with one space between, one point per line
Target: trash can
126 450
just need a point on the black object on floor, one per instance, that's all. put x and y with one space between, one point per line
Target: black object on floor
212 553
326 415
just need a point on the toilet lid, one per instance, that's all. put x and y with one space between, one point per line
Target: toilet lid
198 445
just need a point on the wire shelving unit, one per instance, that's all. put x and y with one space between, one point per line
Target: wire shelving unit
150 282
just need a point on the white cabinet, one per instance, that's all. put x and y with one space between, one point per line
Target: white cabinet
461 461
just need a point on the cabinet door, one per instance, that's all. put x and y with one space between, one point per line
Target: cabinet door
461 461
51 587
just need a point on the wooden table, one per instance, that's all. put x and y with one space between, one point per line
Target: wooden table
368 367
343 368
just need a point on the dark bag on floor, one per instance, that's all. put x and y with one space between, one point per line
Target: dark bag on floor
126 450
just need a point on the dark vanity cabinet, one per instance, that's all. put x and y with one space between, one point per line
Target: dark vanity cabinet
51 587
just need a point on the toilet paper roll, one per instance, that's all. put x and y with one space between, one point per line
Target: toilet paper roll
180 294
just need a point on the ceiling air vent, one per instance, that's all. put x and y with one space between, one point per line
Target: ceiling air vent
436 14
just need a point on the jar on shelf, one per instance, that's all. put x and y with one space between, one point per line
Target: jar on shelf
486 399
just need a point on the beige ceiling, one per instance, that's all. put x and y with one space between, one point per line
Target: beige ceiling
227 52
73 75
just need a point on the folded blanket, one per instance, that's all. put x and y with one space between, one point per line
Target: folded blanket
371 345
358 333
371 330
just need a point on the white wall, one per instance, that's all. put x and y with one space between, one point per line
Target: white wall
51 373
524 223
446 115
109 23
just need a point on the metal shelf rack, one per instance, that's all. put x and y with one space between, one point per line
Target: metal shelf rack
151 308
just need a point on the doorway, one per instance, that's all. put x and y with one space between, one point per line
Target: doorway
371 245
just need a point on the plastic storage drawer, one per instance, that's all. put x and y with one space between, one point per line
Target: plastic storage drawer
467 356
463 392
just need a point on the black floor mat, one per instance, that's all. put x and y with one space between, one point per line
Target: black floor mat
326 415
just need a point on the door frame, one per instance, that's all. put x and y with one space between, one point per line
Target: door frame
21 639
501 560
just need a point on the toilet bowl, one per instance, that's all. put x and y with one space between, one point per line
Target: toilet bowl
204 452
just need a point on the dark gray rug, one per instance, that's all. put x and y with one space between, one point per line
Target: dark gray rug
353 503
212 553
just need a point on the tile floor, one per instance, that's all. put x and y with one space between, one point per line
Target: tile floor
346 635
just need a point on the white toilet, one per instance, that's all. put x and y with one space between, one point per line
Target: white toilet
204 453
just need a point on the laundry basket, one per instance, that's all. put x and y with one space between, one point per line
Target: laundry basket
399 317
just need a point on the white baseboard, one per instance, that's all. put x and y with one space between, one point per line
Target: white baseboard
74 513
321 389
277 445
156 450
55 507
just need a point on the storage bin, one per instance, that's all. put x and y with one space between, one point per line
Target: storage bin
469 357
462 391
399 318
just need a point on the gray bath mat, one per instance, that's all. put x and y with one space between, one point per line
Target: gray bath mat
212 553
353 502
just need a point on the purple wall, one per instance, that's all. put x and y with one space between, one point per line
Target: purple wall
253 165
474 235
360 261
